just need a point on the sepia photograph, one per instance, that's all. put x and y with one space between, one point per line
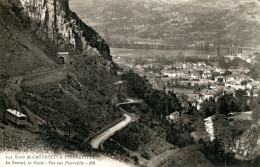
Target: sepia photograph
129 83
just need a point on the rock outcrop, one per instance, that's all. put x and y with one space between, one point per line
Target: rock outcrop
52 20
248 145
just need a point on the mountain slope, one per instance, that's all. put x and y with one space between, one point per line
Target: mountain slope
81 92
19 46
175 22
65 104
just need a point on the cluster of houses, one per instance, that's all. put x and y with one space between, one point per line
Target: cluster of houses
248 58
199 81
210 81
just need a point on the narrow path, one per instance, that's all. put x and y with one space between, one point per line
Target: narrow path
44 77
209 127
242 116
130 101
160 159
119 82
97 141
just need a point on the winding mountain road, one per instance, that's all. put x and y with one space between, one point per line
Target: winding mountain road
130 101
97 141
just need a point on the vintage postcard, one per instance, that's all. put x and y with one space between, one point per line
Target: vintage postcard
120 83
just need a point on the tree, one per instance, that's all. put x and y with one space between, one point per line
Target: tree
208 108
222 62
244 82
240 93
158 101
255 70
227 104
256 111
227 73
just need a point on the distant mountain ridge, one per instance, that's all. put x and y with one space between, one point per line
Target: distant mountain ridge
227 22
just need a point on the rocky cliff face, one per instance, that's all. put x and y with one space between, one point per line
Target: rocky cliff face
248 146
53 20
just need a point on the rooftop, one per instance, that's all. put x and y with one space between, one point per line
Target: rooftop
63 53
16 113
